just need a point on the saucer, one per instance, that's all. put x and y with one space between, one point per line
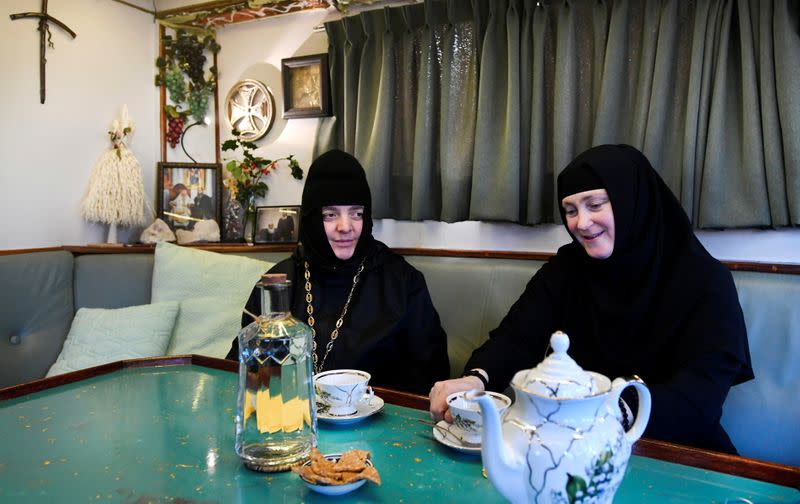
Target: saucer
363 411
444 433
334 489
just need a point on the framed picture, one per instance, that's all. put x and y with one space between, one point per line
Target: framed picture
306 83
277 224
188 193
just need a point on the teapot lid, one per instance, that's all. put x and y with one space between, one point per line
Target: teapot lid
559 376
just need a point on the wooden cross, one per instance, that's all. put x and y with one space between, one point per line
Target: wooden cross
44 28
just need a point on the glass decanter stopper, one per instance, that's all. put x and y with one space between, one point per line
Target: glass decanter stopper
276 421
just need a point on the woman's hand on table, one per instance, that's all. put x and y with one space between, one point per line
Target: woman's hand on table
442 389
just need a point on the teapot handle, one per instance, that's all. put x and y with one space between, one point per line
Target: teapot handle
642 413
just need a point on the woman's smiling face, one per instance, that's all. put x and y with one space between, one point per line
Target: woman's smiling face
590 220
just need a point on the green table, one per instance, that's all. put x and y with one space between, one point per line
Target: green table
165 434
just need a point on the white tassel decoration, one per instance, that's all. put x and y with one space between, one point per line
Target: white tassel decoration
115 194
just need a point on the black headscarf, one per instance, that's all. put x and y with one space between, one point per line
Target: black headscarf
627 304
334 178
659 306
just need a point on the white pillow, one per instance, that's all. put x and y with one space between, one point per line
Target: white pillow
212 289
98 335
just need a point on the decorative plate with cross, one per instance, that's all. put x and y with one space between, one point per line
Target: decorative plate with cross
250 108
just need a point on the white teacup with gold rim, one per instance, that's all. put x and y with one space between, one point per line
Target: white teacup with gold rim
467 421
343 390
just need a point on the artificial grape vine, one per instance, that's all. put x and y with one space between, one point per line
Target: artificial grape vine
182 72
174 130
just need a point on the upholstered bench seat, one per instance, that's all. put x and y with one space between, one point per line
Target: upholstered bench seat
41 291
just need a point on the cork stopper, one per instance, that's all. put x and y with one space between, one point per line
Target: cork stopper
273 278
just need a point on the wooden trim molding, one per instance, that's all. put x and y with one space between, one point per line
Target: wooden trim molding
785 268
29 251
230 248
162 101
791 269
478 254
704 459
238 248
719 462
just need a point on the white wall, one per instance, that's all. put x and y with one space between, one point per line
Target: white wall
254 50
47 152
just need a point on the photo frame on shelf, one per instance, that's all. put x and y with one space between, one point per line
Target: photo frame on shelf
306 86
188 193
277 224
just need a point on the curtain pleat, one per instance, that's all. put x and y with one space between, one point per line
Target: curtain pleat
565 100
762 13
495 170
457 111
527 82
735 137
662 137
540 151
330 129
375 113
786 37
426 197
469 110
353 47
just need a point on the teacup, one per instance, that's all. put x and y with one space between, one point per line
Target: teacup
343 390
467 422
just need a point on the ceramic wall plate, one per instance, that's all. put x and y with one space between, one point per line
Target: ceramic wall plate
335 489
250 108
364 411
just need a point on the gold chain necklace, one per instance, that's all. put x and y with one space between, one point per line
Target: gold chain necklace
310 311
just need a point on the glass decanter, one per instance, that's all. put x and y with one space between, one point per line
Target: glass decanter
276 422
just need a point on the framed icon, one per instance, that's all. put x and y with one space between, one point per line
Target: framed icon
306 86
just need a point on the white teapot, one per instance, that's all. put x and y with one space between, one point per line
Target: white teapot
562 440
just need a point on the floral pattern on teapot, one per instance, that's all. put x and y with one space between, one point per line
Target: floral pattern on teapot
562 441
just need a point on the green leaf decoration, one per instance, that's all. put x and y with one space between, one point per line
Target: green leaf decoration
234 168
297 172
575 484
247 177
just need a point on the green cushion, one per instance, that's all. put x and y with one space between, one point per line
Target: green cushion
99 335
212 290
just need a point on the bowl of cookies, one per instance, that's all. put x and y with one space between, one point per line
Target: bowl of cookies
337 473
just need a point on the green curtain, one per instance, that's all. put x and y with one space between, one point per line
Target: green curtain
469 109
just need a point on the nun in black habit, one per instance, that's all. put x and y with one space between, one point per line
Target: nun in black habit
637 294
389 326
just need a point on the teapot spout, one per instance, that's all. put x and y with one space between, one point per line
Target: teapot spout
501 466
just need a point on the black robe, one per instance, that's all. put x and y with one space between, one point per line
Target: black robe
659 307
391 329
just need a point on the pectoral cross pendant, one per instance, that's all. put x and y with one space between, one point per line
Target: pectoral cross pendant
44 38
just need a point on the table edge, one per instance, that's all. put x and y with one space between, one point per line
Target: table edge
760 470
